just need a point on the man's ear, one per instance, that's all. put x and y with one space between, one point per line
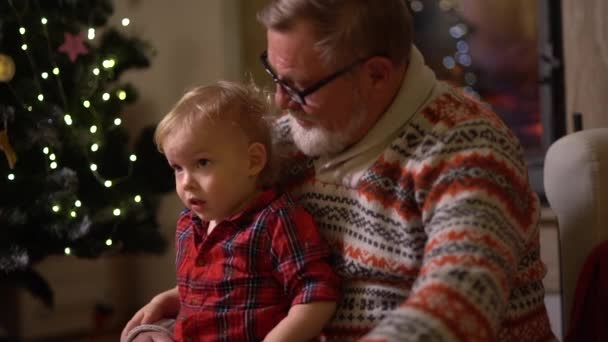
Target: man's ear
258 157
379 70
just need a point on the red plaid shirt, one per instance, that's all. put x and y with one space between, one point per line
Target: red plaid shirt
240 281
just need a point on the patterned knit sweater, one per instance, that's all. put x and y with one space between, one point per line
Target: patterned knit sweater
432 221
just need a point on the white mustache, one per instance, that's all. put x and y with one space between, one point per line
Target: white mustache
297 115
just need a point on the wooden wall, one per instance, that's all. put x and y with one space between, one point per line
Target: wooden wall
585 33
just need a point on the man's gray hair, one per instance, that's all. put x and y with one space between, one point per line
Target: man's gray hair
347 29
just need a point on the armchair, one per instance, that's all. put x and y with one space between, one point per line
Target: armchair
576 186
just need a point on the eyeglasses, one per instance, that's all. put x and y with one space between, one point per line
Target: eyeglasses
299 96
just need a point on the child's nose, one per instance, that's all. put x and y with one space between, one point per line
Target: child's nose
187 181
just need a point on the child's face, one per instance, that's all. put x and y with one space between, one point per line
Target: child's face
213 177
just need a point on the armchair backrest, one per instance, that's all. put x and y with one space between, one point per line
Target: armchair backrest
576 186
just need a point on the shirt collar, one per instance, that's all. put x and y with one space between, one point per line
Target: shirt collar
261 201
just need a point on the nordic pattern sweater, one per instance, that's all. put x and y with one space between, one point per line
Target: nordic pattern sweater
432 223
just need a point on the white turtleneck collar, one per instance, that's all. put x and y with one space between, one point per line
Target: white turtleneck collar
416 90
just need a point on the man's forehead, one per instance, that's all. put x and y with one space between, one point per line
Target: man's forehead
293 52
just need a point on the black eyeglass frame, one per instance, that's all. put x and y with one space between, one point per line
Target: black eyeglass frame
299 96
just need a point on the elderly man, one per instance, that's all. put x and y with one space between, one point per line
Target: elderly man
421 191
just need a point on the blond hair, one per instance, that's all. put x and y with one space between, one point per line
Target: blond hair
347 29
243 105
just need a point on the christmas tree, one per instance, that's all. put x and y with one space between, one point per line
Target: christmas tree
71 183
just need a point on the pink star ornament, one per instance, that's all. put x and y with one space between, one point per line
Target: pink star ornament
73 45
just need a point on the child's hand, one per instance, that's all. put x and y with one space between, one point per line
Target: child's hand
164 305
152 336
150 313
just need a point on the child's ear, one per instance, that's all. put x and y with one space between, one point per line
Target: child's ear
258 158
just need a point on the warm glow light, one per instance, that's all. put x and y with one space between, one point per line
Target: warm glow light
109 242
117 121
56 208
105 96
125 21
137 199
108 63
116 212
55 71
78 204
133 157
44 21
94 147
73 213
44 75
96 71
24 47
446 5
107 183
86 104
45 150
91 34
52 156
40 97
122 95
416 6
22 30
68 119
53 165
93 167
67 251
93 129
11 176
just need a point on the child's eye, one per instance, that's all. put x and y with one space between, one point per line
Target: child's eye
176 168
203 162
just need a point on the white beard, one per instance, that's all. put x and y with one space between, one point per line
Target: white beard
316 141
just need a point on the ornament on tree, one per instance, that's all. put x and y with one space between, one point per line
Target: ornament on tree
73 46
5 146
7 68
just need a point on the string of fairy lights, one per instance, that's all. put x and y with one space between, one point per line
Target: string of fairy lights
461 57
105 66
